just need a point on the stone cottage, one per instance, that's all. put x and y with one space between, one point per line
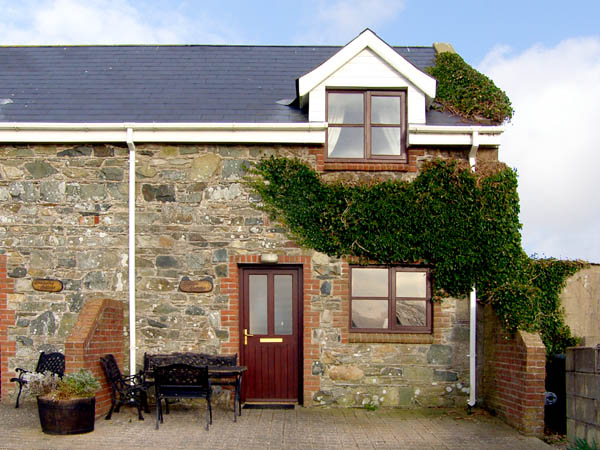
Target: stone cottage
121 177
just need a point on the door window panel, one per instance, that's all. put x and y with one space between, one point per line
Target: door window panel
257 286
283 304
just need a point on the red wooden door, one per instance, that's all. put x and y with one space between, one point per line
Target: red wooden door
270 332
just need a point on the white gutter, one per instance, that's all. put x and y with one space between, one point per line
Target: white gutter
300 133
454 135
473 301
306 133
132 342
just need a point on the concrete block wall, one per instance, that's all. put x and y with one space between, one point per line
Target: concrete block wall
98 331
583 394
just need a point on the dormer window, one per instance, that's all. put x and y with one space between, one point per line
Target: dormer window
366 125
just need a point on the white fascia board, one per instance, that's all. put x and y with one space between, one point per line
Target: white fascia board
454 135
307 133
367 39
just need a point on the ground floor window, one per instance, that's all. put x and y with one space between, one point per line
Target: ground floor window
390 299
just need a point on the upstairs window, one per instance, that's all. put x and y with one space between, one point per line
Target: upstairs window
366 125
390 299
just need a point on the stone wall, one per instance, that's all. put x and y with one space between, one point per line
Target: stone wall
98 331
514 375
583 394
65 215
581 301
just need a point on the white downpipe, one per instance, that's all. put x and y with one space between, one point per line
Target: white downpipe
472 348
132 344
473 303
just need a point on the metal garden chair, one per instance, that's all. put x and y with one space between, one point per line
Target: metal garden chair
178 381
129 390
47 362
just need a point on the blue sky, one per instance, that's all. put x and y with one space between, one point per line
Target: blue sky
544 54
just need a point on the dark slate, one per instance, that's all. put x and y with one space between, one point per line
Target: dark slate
194 83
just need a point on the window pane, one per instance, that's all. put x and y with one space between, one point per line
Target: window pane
369 314
385 141
369 282
283 304
345 108
411 313
411 284
345 142
385 110
258 304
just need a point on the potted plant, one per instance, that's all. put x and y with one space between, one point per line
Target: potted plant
66 405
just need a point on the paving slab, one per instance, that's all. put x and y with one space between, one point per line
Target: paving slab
300 428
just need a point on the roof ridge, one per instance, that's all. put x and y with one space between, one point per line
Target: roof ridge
191 45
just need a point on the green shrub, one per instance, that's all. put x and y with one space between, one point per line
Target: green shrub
466 92
80 384
464 225
582 444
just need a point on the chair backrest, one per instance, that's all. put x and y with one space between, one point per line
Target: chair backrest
222 360
151 362
182 380
51 362
111 370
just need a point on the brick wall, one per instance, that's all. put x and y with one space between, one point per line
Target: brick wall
98 331
409 166
7 319
230 316
514 376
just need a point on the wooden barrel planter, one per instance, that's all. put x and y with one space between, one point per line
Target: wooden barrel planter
67 416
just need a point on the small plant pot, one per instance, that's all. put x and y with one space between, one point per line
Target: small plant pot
67 416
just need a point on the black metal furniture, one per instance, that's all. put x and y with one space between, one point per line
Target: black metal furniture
47 362
220 377
177 381
125 389
222 369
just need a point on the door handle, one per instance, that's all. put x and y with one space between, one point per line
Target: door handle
246 334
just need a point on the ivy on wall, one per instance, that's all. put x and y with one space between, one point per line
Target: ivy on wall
464 91
464 225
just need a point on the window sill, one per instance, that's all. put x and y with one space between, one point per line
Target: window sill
370 166
396 338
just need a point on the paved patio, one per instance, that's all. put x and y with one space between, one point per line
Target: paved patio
301 428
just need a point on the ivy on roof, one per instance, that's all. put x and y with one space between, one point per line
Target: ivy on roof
464 91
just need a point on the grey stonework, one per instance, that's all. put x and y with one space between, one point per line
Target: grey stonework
64 213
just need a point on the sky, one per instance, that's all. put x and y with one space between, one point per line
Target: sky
545 54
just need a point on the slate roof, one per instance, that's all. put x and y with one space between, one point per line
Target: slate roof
187 83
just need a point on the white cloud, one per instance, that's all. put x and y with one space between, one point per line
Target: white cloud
554 142
104 22
340 21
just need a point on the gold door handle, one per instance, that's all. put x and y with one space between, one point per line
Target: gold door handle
246 334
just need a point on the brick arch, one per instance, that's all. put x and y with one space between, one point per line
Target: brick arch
7 320
230 316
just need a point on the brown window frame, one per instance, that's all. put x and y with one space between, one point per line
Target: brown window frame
368 94
391 299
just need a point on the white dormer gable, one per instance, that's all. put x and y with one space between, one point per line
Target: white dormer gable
367 62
